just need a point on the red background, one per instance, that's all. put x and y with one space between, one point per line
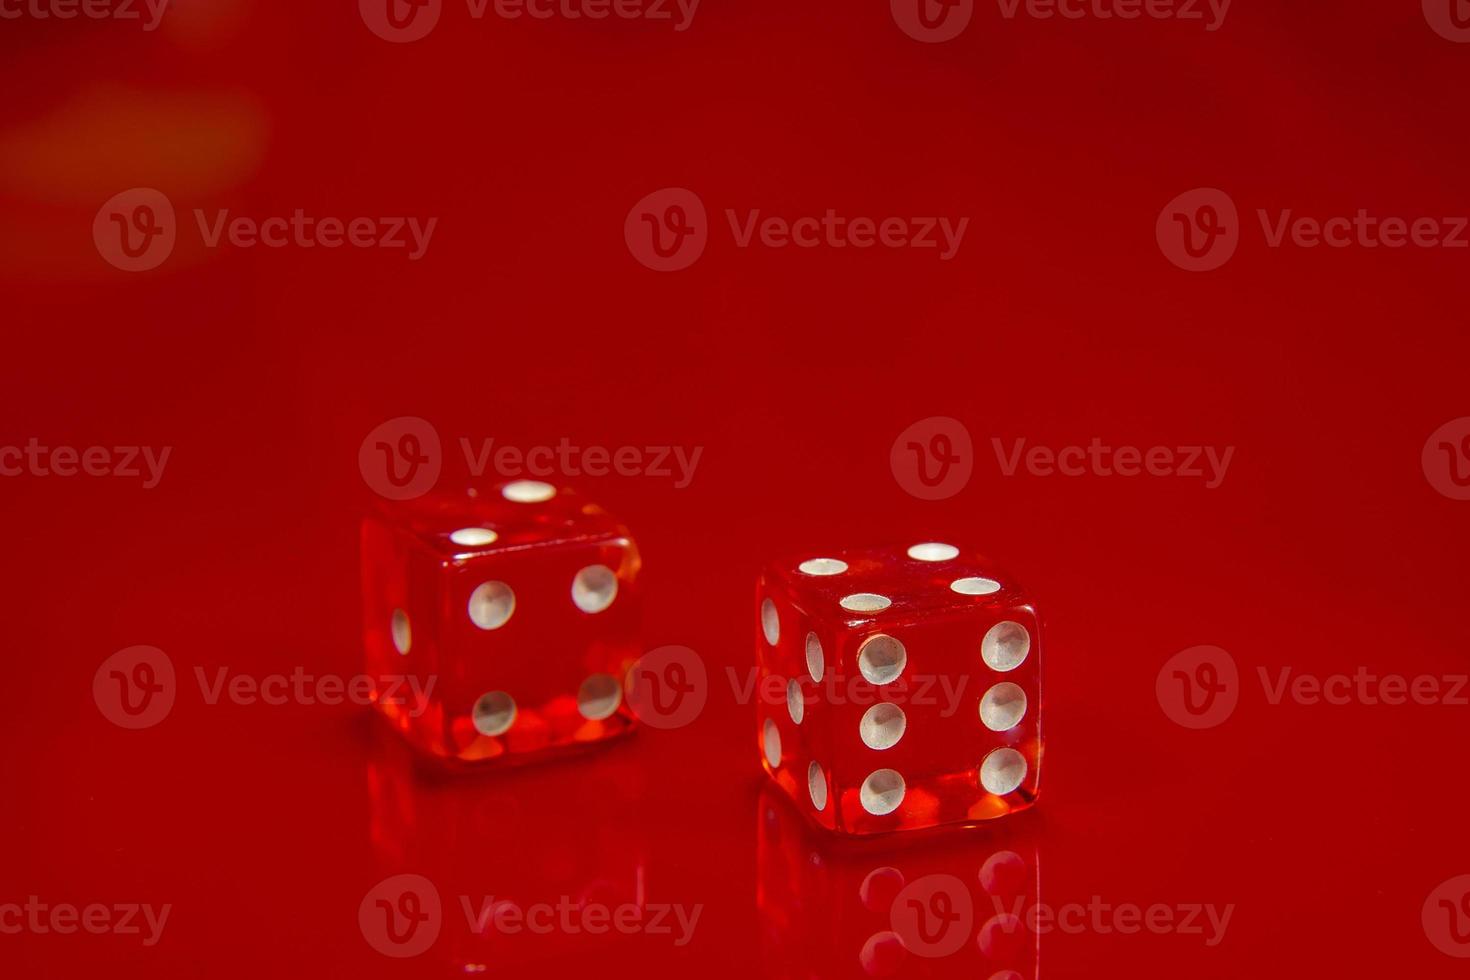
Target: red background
528 320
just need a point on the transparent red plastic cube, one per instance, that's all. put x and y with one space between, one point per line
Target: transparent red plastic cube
913 687
518 603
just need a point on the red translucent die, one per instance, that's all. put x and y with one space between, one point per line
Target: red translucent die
912 687
935 907
518 603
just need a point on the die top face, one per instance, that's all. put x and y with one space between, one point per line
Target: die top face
850 588
511 516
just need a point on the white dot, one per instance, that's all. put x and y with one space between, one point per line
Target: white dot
795 704
594 588
1002 771
822 566
882 726
816 785
933 551
1003 707
814 662
770 622
402 632
474 537
974 586
865 602
881 792
494 713
1005 646
881 659
599 696
491 605
771 740
528 491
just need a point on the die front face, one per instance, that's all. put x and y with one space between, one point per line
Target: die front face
912 681
518 603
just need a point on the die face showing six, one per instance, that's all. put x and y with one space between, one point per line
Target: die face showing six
913 687
520 603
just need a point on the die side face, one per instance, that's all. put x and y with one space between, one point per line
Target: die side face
523 610
913 687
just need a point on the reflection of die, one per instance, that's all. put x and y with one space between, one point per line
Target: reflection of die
519 603
912 682
507 853
950 906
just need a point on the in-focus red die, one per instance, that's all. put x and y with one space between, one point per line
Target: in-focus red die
912 679
518 603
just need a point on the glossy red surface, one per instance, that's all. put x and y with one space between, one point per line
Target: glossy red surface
1334 542
900 687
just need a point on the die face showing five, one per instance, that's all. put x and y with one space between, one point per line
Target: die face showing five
519 602
912 677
